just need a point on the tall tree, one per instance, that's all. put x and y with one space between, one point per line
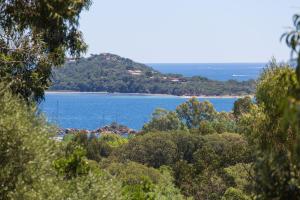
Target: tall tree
193 112
276 135
242 105
35 36
163 120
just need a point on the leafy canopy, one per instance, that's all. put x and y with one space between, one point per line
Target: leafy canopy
34 36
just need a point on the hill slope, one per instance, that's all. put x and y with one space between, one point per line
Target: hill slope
112 73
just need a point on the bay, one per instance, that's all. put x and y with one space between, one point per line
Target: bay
94 110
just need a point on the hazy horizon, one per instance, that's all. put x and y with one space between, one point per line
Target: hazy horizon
194 31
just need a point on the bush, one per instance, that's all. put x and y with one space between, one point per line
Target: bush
24 142
28 154
142 182
235 194
163 120
153 149
230 147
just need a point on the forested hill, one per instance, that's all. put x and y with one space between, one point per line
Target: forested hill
112 73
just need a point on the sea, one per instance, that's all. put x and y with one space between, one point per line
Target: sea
215 71
93 110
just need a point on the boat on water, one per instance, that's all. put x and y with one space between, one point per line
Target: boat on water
239 75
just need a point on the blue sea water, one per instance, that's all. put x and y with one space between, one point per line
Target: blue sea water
215 71
91 110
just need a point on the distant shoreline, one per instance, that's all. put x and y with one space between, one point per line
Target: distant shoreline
148 94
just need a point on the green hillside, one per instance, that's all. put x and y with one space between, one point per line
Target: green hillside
112 73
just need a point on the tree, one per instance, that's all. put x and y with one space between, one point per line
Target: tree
292 39
23 141
230 149
241 176
242 105
224 122
163 120
152 149
29 158
96 148
276 134
34 36
193 112
142 182
74 164
234 194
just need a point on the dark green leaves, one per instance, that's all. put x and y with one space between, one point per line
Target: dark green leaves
34 37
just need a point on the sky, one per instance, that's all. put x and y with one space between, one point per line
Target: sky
189 31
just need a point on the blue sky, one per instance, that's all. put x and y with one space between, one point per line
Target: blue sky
189 31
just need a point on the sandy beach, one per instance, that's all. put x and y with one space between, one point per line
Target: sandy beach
147 94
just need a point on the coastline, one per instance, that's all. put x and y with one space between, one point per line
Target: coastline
147 94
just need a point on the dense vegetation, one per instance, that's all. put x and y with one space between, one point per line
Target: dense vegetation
112 73
169 160
193 152
34 36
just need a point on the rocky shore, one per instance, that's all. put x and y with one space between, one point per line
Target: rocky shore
113 128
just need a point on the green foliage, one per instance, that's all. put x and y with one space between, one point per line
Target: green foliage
68 137
235 194
132 173
247 123
204 177
231 148
161 148
292 40
205 127
242 106
275 134
96 148
193 112
223 122
198 161
165 188
141 182
205 184
73 164
209 185
113 140
276 84
188 151
208 180
241 175
197 164
184 174
92 186
35 35
23 141
163 120
28 154
153 149
111 73
194 116
186 145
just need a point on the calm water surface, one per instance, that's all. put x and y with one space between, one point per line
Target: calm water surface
215 71
91 111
